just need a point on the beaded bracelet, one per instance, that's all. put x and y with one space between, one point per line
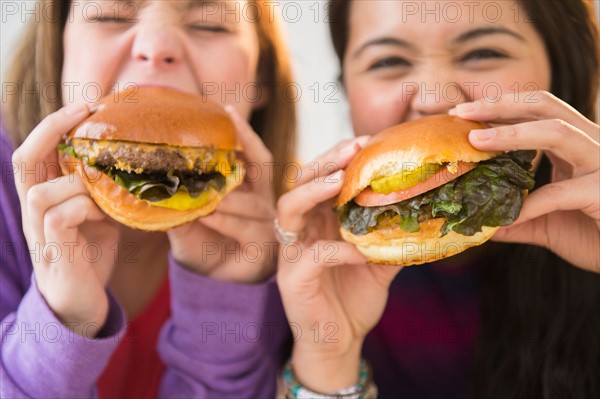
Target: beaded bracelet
363 389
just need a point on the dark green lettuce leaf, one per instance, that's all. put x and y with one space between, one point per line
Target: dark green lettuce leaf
156 187
489 195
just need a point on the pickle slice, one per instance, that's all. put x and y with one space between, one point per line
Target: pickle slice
407 178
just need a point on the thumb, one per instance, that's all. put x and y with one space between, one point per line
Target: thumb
256 154
254 150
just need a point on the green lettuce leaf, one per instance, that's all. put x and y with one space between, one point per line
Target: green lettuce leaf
67 149
156 187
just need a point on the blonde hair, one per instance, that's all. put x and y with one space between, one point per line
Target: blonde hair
37 65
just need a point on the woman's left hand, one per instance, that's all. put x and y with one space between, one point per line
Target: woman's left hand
235 243
563 216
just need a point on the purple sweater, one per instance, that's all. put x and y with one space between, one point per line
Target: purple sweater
40 357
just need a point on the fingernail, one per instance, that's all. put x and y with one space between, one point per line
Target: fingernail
363 140
337 176
355 145
349 149
95 107
483 135
452 111
229 108
75 109
467 107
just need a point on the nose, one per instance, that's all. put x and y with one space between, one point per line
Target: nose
434 93
157 46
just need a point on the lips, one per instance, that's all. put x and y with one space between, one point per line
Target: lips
170 81
160 86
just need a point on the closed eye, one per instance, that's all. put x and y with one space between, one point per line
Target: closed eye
208 28
483 54
389 62
113 19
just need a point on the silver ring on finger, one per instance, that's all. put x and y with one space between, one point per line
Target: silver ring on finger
284 236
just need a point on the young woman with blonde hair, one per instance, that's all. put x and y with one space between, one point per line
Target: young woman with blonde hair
188 334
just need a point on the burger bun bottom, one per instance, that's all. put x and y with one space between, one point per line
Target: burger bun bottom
394 246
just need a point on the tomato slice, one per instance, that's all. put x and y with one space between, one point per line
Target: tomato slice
368 197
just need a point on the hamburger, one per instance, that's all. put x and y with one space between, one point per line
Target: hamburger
154 158
419 192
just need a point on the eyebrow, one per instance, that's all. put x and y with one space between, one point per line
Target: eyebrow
192 4
479 32
136 3
183 5
383 41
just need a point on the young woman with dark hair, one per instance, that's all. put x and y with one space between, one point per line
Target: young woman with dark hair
516 318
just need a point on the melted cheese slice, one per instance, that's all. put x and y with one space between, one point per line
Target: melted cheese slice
182 201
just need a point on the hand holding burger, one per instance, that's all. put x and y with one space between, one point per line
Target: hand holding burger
564 214
155 158
235 243
59 217
327 287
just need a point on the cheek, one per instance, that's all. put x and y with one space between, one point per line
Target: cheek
227 74
86 76
225 61
509 83
375 107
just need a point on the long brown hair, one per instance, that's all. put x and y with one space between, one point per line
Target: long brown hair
540 323
37 65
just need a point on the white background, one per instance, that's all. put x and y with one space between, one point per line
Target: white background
322 123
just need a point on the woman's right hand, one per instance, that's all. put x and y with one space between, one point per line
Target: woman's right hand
69 237
332 296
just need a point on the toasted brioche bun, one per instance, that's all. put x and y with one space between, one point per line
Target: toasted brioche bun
156 116
159 116
394 246
435 139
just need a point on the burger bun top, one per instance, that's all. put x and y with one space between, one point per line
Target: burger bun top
434 139
159 116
